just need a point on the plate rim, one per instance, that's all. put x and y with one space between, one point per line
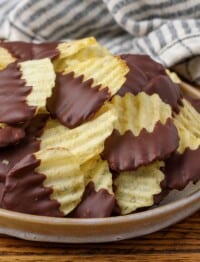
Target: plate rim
195 196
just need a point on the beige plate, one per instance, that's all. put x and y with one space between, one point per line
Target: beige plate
177 206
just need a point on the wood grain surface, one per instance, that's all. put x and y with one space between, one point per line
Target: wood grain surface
180 242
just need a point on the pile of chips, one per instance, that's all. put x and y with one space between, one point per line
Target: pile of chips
86 134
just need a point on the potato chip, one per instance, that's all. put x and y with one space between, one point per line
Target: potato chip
14 92
10 156
182 168
145 64
65 103
127 152
24 191
146 75
140 111
73 47
136 189
97 171
187 123
47 182
91 51
142 69
107 71
78 50
85 141
5 58
40 75
24 51
139 135
63 175
98 199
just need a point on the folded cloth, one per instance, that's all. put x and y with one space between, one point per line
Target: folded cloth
168 30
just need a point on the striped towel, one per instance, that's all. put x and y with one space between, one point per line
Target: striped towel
167 30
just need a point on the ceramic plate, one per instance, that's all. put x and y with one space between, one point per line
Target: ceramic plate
177 206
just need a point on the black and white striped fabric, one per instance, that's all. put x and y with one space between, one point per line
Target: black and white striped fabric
168 30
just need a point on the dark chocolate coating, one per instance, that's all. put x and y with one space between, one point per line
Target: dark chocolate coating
10 135
141 70
13 94
145 63
34 127
73 101
180 169
23 51
168 91
136 80
95 204
146 75
10 156
128 152
24 191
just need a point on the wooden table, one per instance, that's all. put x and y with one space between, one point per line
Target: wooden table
178 243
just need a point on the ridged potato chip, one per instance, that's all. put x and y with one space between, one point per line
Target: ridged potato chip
85 141
187 123
5 58
91 51
40 75
140 111
65 103
136 189
97 171
107 71
72 47
139 135
47 182
98 199
78 51
63 175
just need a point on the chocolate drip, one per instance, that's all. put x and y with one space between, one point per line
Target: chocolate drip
13 93
73 101
10 156
24 191
180 169
10 135
95 204
23 51
128 152
146 75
